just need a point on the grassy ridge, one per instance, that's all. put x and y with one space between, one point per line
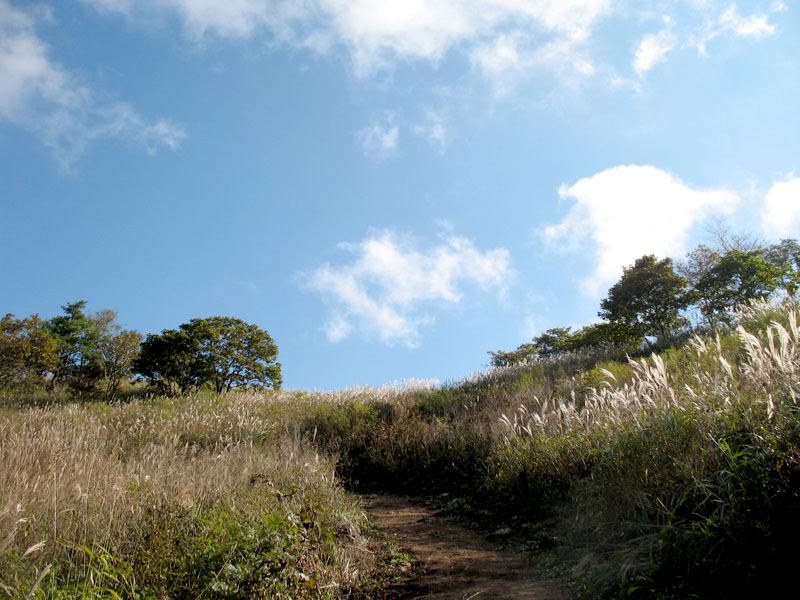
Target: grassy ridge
676 472
673 475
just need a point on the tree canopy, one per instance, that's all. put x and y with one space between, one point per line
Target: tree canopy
653 299
116 350
648 298
76 337
222 352
737 277
27 351
561 340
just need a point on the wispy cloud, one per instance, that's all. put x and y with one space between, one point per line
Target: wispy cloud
628 211
379 139
376 35
391 284
731 24
781 213
507 42
38 94
653 49
434 128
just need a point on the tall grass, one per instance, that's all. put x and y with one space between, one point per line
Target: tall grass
673 474
687 475
679 469
188 498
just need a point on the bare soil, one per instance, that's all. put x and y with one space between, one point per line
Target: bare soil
455 562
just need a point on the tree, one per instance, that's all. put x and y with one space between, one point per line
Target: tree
76 337
738 277
170 361
552 342
117 349
222 352
725 239
235 353
786 256
697 263
606 335
27 351
560 340
647 299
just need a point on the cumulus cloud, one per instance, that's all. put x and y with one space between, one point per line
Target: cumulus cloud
379 139
628 211
781 213
41 96
390 282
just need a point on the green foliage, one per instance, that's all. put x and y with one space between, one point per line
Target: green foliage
76 336
786 256
170 361
735 279
553 342
75 351
222 352
612 337
523 353
234 353
647 299
530 477
117 349
621 373
419 446
27 351
560 341
224 553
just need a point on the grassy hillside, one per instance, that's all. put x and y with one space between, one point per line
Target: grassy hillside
172 499
672 475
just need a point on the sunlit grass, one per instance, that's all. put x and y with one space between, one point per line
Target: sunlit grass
161 498
677 471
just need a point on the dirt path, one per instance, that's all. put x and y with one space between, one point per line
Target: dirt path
457 563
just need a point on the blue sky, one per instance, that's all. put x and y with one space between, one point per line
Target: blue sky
390 188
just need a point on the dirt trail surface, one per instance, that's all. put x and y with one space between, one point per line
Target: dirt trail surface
457 563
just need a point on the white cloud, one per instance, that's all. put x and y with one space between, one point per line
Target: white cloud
731 23
376 34
385 289
435 130
379 139
41 96
628 211
507 41
652 50
781 213
756 25
509 59
499 55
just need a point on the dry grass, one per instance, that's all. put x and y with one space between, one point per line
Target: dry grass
685 473
678 467
92 476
